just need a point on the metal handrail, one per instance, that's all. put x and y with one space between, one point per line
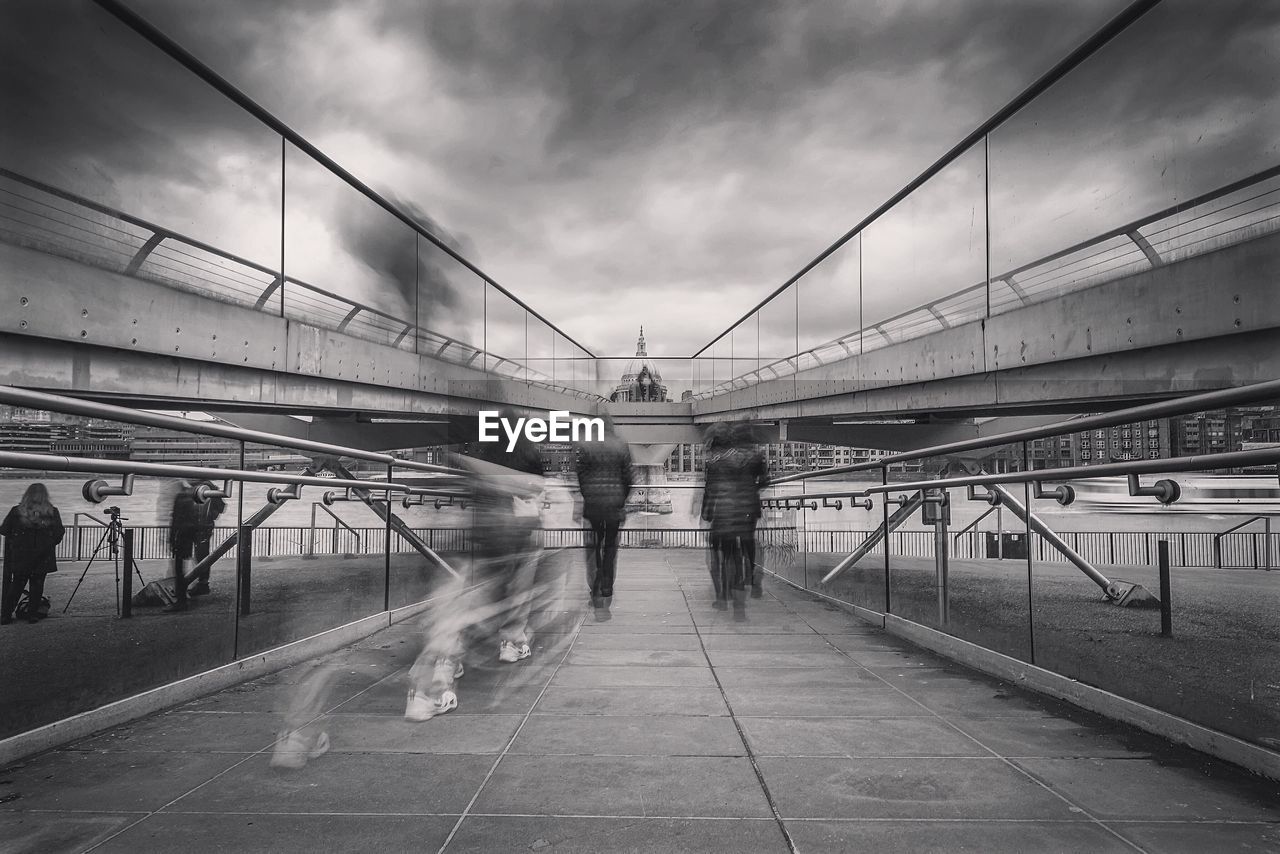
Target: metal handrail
1197 462
1110 30
1269 390
1125 230
355 308
108 412
1266 542
188 60
55 462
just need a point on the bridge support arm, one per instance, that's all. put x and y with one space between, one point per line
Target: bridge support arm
899 516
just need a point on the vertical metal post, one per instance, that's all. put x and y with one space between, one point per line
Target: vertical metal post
241 545
986 212
1031 613
999 532
283 283
244 567
1266 542
1166 605
884 507
942 565
386 570
126 588
311 536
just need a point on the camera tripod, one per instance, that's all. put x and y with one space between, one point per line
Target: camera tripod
110 541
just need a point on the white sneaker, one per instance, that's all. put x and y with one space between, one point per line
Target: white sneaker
420 707
293 750
512 652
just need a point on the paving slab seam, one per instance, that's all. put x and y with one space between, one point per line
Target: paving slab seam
225 771
755 767
525 720
1074 807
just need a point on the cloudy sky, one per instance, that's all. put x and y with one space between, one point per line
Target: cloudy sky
619 162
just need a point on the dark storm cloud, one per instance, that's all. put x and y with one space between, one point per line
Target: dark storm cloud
418 275
626 72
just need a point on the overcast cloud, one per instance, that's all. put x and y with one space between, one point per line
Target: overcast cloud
632 161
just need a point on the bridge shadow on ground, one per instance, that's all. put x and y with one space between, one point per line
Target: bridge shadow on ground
672 726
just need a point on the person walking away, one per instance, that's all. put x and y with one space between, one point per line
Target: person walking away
604 480
716 492
754 471
207 514
31 530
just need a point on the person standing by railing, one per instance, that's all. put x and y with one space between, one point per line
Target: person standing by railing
735 473
183 530
32 530
604 480
207 513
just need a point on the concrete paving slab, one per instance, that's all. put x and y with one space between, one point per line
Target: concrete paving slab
821 701
675 786
413 784
751 627
627 735
967 694
648 700
779 659
934 788
283 834
840 675
59 831
617 656
850 737
1198 837
592 625
636 641
1147 789
890 659
189 732
606 676
473 699
522 834
1055 737
788 642
451 733
946 837
107 781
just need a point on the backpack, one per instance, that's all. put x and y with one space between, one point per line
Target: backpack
24 606
162 592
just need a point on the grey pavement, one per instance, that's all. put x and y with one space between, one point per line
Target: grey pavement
670 726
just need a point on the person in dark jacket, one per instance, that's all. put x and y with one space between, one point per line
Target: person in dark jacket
734 472
31 531
184 527
207 514
604 479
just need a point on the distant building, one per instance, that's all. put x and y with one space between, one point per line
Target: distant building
641 381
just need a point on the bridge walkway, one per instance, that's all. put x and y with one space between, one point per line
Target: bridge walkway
670 726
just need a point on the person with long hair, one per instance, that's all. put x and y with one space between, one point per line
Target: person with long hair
31 531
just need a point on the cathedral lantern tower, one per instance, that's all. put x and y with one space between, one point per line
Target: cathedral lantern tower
641 382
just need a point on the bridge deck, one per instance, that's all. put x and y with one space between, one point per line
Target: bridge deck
671 726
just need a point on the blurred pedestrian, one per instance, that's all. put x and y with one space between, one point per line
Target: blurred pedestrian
31 530
604 480
507 491
755 477
735 472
